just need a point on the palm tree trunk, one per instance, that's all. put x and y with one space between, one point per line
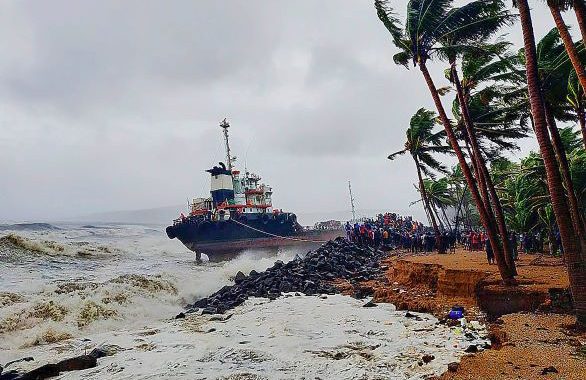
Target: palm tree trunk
569 45
486 184
573 255
426 204
560 153
426 212
580 9
504 271
468 217
459 210
582 121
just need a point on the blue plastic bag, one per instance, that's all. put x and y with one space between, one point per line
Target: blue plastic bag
457 312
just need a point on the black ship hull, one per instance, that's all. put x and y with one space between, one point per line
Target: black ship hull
220 239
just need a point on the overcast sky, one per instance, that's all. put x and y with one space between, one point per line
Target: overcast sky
114 105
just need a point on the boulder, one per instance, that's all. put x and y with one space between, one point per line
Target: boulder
77 363
210 310
239 277
471 349
105 350
51 370
43 372
412 316
427 358
453 367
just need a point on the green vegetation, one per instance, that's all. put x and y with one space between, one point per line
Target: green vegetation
499 97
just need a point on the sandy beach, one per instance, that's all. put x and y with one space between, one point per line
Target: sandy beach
536 333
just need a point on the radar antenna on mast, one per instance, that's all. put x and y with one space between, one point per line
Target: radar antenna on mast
225 125
352 202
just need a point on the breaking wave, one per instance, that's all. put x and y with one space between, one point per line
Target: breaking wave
68 284
8 298
74 308
14 243
29 227
67 309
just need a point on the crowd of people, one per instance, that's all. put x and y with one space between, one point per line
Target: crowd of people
392 231
526 243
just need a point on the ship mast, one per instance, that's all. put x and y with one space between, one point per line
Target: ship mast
225 125
352 202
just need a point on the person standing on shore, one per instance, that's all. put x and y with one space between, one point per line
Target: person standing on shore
514 245
489 252
413 243
348 228
476 243
385 236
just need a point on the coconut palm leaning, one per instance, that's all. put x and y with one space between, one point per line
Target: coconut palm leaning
429 23
440 198
554 73
461 197
577 100
580 9
470 72
556 7
571 242
422 143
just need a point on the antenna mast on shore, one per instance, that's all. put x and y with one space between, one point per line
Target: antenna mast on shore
352 202
225 125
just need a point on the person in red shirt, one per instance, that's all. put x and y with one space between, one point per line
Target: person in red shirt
362 234
474 241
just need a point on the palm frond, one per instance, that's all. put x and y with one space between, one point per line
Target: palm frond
392 156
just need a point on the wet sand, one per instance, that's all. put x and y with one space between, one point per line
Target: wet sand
535 335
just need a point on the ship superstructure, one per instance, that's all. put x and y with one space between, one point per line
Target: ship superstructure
233 194
238 213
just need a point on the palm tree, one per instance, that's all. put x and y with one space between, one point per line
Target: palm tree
556 7
475 73
522 190
422 143
554 72
580 9
573 252
429 22
570 140
577 101
440 197
554 69
461 195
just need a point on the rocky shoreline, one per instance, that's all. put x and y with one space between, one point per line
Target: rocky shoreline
313 274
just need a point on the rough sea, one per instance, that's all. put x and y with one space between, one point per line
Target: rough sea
68 288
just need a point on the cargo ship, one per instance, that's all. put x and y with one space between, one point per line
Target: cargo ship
239 215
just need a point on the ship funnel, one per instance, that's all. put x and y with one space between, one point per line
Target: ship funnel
222 187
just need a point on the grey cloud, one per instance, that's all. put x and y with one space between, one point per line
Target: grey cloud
114 104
